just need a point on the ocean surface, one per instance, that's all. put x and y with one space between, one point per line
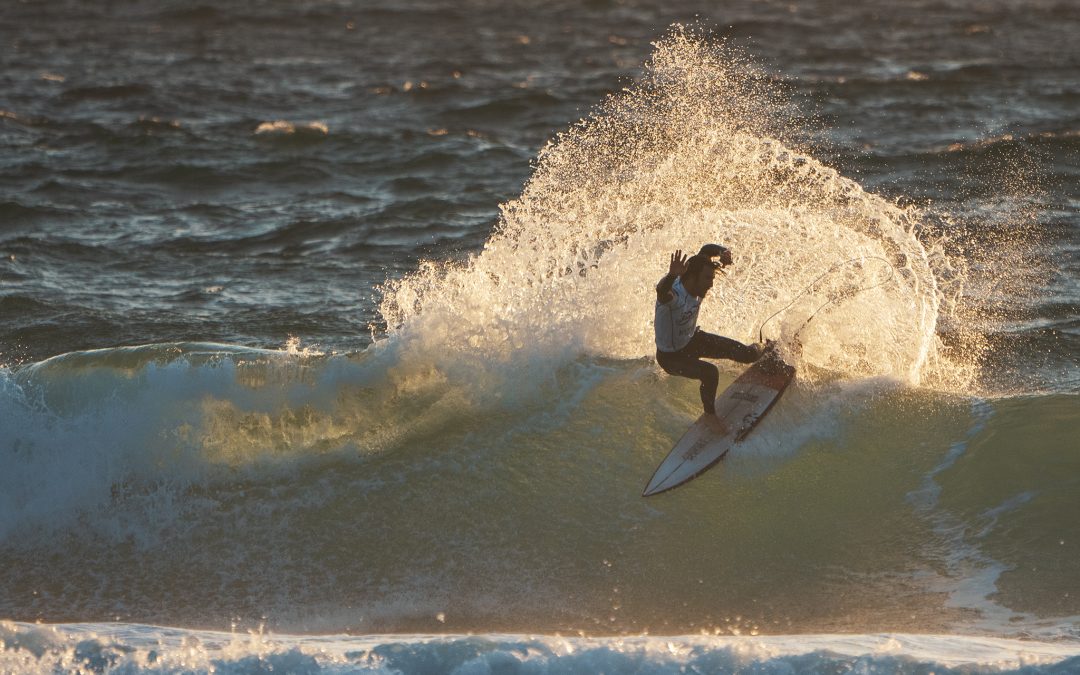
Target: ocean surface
326 337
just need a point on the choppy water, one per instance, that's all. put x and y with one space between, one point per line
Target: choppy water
333 318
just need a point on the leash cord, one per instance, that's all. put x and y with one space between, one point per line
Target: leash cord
838 297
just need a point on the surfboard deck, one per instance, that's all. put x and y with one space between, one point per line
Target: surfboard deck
739 408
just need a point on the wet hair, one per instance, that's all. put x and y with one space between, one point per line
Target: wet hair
711 250
703 258
695 264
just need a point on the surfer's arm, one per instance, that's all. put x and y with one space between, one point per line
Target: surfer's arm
663 289
676 266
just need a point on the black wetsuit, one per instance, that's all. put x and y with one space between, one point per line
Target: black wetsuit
687 362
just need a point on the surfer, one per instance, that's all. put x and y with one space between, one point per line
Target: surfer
681 345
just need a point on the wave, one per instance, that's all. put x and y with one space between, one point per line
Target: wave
137 649
520 103
16 214
307 131
107 92
197 14
25 121
451 494
478 467
1049 141
406 224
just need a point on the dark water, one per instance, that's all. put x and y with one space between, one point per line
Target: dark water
213 181
141 205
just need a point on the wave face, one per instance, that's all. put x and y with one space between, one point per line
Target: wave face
190 484
478 467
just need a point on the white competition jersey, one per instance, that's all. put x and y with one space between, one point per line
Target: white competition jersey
676 320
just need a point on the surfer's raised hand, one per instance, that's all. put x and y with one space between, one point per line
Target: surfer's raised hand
678 263
676 267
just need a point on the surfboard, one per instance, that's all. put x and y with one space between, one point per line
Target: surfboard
739 408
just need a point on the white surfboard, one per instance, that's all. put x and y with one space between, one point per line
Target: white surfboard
738 409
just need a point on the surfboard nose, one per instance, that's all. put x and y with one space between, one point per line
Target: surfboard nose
738 410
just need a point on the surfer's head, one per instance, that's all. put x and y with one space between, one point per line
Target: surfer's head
701 268
711 251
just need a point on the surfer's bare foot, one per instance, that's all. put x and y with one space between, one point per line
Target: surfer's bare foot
715 424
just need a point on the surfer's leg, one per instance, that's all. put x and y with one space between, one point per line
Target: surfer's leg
712 346
679 364
710 378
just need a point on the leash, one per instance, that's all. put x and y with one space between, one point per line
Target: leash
845 295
